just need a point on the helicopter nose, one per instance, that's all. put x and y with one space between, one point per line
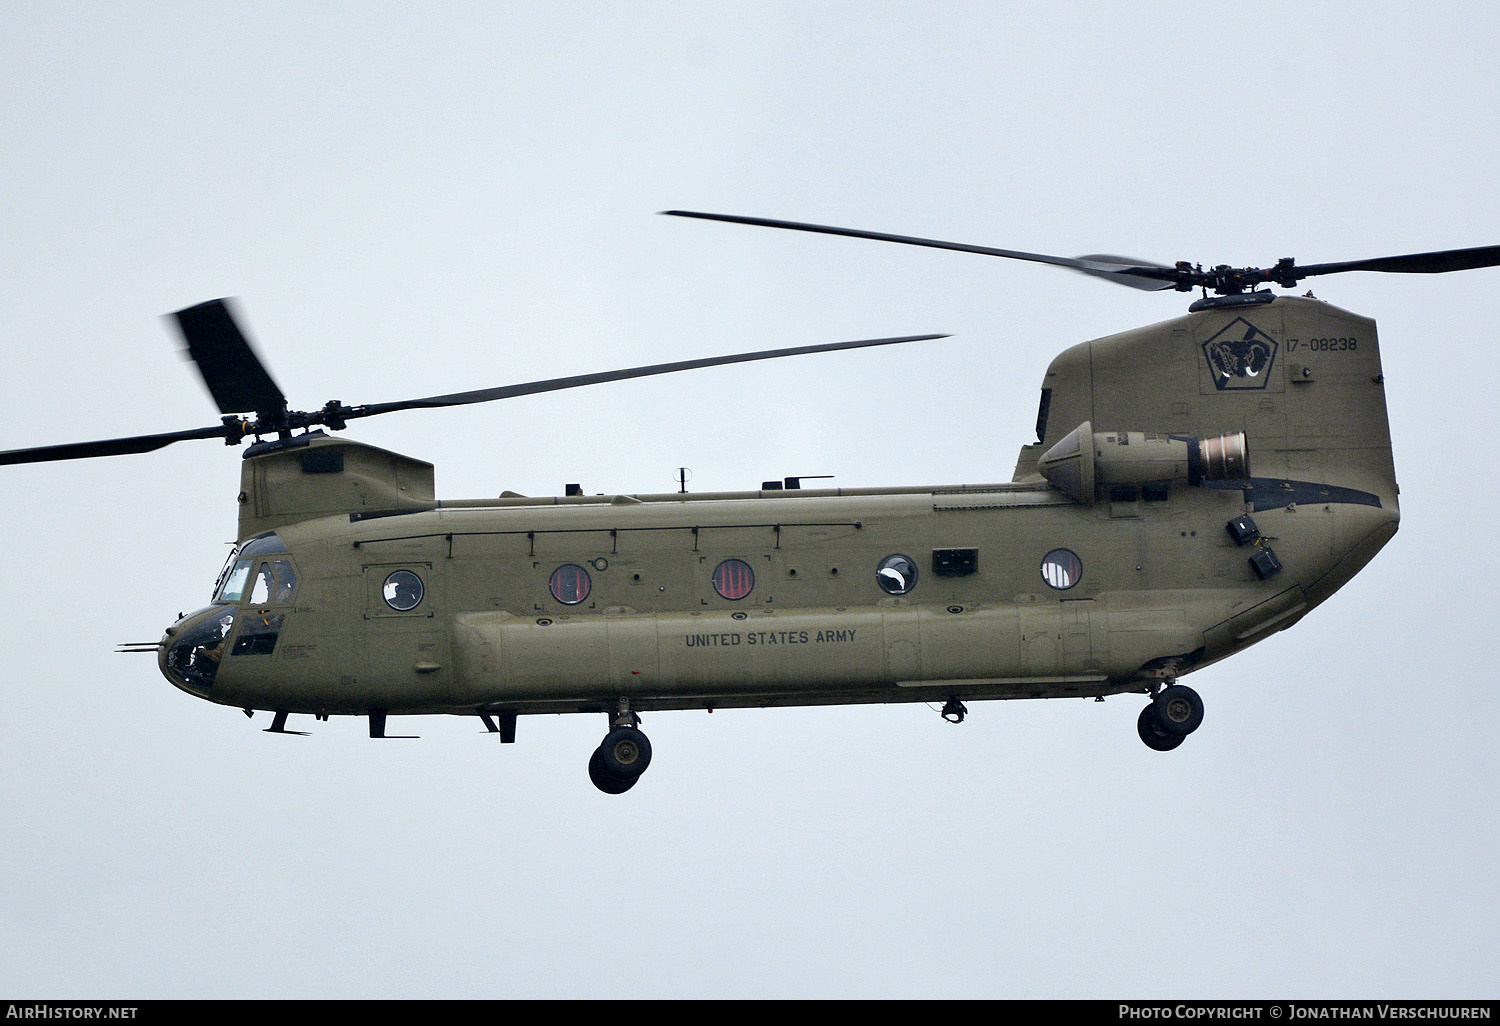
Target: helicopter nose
190 651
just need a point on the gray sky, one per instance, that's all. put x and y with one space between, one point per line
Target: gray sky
420 199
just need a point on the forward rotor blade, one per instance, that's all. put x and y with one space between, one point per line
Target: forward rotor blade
234 374
1155 275
1414 263
485 395
1129 272
106 447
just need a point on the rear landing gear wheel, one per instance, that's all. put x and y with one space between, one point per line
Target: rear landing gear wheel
1179 710
1152 733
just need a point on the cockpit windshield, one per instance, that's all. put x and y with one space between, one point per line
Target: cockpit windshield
269 581
232 589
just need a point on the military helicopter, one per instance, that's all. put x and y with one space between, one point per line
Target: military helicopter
1194 487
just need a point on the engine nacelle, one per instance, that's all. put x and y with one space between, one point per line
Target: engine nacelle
1085 462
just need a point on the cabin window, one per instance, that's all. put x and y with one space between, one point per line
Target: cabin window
570 584
402 591
896 574
733 579
1061 569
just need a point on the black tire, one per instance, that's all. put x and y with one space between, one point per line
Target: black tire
603 779
625 753
1179 710
1156 738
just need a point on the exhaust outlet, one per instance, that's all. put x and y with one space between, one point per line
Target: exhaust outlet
1085 460
1225 458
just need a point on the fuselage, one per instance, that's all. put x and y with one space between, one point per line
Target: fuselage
351 594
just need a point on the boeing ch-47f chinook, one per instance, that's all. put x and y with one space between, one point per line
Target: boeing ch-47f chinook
1195 486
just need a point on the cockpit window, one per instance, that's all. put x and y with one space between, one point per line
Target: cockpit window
275 580
233 588
258 633
260 595
193 660
267 544
228 566
263 545
286 582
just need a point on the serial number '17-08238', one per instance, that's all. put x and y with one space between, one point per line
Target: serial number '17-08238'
1323 345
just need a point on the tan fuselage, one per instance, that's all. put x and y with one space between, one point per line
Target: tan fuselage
1022 589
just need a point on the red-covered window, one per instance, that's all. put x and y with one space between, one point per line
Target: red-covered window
733 578
570 584
1061 569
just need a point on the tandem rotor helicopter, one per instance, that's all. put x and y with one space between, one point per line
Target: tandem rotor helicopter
1194 487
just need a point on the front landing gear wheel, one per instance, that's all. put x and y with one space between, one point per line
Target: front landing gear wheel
1152 733
625 753
1179 710
619 760
603 780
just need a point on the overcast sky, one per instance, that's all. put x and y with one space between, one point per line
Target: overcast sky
415 199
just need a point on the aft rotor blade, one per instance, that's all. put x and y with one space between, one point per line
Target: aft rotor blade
107 447
1414 263
234 374
1155 276
485 395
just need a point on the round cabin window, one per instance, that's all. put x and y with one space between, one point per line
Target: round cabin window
733 579
402 591
1061 569
570 584
896 574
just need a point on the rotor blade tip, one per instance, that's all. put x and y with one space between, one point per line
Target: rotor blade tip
221 301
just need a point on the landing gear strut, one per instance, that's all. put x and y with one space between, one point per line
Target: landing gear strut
1174 713
623 755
